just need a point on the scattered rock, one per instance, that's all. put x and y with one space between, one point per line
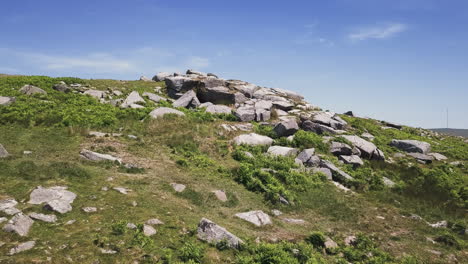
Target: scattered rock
161 77
161 111
145 79
70 222
325 171
154 221
3 152
217 94
189 99
213 233
387 182
218 109
132 99
411 145
438 156
122 190
149 230
95 93
350 240
7 206
368 149
422 157
293 221
221 195
338 174
353 160
392 125
108 251
276 212
19 224
22 247
286 128
56 198
338 148
368 136
3 219
349 113
43 217
440 224
6 100
282 151
245 113
330 244
308 158
342 187
252 139
178 187
131 226
94 156
31 89
154 97
89 209
258 218
62 87
205 105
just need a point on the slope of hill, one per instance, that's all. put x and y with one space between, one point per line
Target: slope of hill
452 131
105 171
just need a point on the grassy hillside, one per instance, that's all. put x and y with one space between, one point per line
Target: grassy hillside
195 151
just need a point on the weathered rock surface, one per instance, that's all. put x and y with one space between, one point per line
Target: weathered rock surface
188 99
178 187
338 148
352 159
387 182
245 113
286 128
282 151
94 156
149 230
43 217
217 94
95 93
3 152
338 174
132 99
327 172
368 149
258 218
252 139
213 233
319 128
145 79
31 89
6 100
161 77
62 87
411 145
154 97
20 224
422 157
22 247
56 198
7 206
154 221
218 109
221 195
161 111
436 156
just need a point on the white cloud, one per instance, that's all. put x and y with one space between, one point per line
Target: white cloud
377 32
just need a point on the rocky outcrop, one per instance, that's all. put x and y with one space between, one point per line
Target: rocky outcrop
161 77
62 87
352 159
252 139
422 158
368 149
188 99
219 109
31 89
308 158
338 148
213 233
258 218
411 145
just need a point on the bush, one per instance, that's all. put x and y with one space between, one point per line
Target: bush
191 252
316 239
305 140
281 253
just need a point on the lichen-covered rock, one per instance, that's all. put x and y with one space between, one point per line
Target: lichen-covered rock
31 89
19 224
56 198
22 247
213 233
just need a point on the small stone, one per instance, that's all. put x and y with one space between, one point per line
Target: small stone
440 224
154 221
43 217
70 222
134 204
131 226
3 152
19 224
89 209
149 230
105 189
178 187
330 244
258 218
122 190
294 221
8 206
108 251
22 247
27 152
350 240
221 195
276 212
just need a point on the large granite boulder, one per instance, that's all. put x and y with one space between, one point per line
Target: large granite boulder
213 233
31 89
329 119
423 158
319 128
6 100
188 99
217 95
338 148
56 198
218 109
368 149
258 218
161 111
245 113
62 87
252 139
282 151
132 99
411 145
286 128
180 84
161 77
352 159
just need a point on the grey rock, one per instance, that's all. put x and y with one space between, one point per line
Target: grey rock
276 212
290 94
122 190
178 187
7 206
56 198
252 139
283 105
286 128
217 95
22 247
131 226
258 218
293 221
62 87
145 79
353 160
212 75
248 154
196 73
219 109
149 230
3 152
31 89
94 156
240 98
189 99
411 145
368 136
392 125
329 119
306 155
20 224
132 99
161 77
330 244
357 152
43 217
154 221
262 115
154 97
338 148
387 182
245 113
368 149
108 251
422 157
95 93
161 111
319 128
440 224
89 209
349 113
282 151
3 219
264 104
205 105
436 156
338 174
117 93
213 233
221 195
325 171
6 100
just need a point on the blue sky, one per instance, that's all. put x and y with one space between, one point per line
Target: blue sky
400 60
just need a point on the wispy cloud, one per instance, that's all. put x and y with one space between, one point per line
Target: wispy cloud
311 36
377 32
